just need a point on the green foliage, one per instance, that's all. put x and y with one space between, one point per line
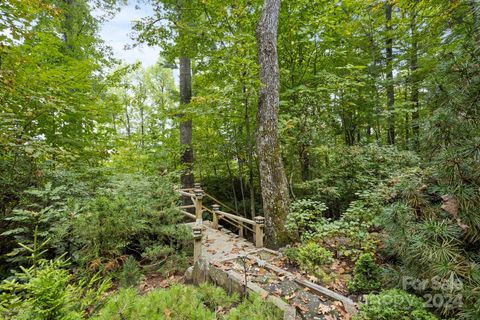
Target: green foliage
312 254
60 109
47 291
49 295
366 275
393 304
346 237
255 308
185 302
303 215
98 218
352 172
428 233
291 253
311 258
215 297
177 302
130 273
131 214
44 215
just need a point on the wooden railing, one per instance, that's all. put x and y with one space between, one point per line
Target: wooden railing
197 194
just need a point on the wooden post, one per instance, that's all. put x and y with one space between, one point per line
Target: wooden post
216 208
240 229
259 225
199 205
197 242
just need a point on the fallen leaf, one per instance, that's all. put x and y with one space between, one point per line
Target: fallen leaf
167 312
450 204
290 296
312 278
301 307
323 309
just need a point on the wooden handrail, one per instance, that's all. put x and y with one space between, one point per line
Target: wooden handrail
232 222
225 218
196 195
219 202
235 217
186 194
248 228
188 214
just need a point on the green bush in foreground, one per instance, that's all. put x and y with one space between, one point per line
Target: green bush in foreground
186 302
393 304
47 291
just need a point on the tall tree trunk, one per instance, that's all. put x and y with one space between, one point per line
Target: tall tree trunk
142 126
68 31
414 79
232 182
272 175
374 72
304 162
186 177
389 74
249 155
127 121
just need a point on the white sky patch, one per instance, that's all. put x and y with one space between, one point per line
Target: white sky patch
116 32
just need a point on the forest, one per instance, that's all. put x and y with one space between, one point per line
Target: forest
352 127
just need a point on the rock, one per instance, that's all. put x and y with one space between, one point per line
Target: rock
189 274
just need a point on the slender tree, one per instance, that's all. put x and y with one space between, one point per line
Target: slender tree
187 178
272 176
389 73
414 78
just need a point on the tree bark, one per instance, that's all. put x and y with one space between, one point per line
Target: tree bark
249 155
186 177
414 80
272 175
142 125
68 26
389 74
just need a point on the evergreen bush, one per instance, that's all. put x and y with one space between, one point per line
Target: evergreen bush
393 304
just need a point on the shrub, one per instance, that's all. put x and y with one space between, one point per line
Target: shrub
130 274
430 233
393 304
311 257
185 302
254 308
43 209
291 253
366 274
177 302
312 254
345 237
132 215
354 169
303 215
215 297
49 295
47 291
